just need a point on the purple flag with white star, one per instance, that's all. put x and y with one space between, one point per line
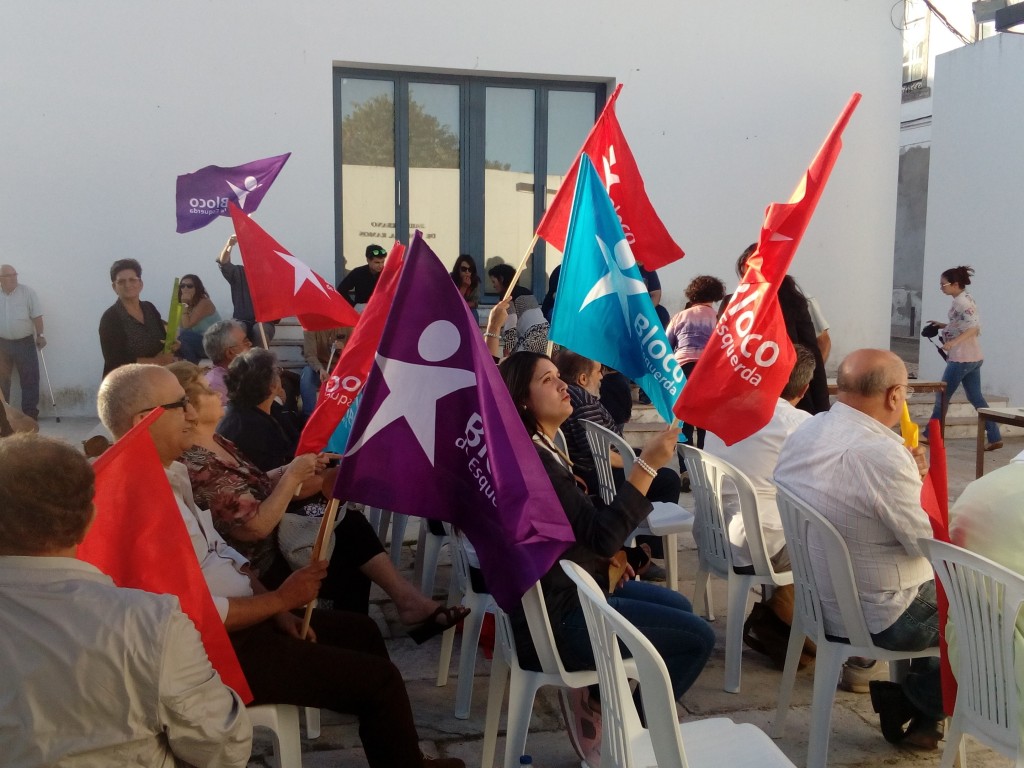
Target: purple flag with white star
437 436
204 195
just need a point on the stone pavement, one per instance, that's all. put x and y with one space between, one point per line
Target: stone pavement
855 739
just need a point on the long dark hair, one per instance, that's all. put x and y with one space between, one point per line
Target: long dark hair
200 288
504 273
517 372
474 279
959 275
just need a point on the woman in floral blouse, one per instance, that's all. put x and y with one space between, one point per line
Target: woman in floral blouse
960 342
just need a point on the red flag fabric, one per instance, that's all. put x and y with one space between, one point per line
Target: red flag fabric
355 361
935 501
606 147
139 539
281 285
733 389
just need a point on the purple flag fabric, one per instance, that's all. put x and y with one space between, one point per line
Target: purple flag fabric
204 195
438 436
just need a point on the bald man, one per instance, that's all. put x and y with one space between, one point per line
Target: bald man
850 466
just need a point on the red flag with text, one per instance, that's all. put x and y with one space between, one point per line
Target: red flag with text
354 363
282 286
733 389
606 147
140 541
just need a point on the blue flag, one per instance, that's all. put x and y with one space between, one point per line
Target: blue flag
602 308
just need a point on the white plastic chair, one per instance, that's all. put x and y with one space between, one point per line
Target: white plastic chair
428 553
666 519
624 741
282 720
525 683
479 603
800 524
984 601
714 552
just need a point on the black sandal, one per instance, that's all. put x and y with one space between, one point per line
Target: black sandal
442 619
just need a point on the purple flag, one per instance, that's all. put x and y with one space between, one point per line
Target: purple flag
204 195
437 436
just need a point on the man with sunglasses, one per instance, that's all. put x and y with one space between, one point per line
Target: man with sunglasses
850 466
342 666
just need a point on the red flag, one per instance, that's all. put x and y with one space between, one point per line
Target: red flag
139 539
739 377
353 366
935 501
606 147
281 285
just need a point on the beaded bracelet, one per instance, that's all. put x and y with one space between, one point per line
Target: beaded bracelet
489 335
646 467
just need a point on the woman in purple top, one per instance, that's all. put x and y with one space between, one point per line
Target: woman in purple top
690 330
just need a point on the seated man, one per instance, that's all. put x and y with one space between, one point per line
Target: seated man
850 466
346 670
222 343
95 675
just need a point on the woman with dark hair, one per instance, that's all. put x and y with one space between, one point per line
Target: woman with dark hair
197 314
960 342
525 327
248 453
467 280
684 640
800 329
131 331
690 330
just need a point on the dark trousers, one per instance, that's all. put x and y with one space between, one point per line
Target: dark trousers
356 542
21 354
347 670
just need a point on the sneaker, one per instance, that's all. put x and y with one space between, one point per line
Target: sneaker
994 446
582 722
857 678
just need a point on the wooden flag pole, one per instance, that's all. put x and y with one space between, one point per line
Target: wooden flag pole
319 547
522 266
263 335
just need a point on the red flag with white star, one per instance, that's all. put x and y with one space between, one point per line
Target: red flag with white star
607 149
281 285
737 381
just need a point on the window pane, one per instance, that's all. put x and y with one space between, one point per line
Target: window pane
434 141
508 178
367 166
570 118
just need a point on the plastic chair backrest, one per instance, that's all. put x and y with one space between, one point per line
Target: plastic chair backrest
985 599
713 548
619 719
804 529
707 475
540 631
601 441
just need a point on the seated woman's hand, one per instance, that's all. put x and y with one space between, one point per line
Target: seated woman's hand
660 447
302 468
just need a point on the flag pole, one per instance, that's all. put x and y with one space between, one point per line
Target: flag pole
522 266
263 335
322 537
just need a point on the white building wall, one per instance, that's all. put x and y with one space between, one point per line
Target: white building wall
102 105
974 200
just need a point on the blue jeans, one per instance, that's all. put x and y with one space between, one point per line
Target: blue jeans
968 374
191 348
21 354
664 617
309 388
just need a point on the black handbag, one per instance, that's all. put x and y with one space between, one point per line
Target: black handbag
930 332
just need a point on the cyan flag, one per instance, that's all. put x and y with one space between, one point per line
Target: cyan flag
602 308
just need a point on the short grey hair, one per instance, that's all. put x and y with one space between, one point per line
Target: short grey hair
125 392
216 340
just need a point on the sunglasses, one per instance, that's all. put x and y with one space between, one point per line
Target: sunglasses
465 269
183 403
186 285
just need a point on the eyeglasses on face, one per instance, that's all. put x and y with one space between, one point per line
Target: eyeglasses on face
183 403
943 285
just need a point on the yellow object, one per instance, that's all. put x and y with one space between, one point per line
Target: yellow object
908 429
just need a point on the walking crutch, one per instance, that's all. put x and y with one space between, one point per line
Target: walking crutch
46 373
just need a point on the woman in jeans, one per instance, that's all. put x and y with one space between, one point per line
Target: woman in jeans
960 342
665 617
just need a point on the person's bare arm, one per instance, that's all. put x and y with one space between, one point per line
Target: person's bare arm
225 254
298 589
825 345
192 315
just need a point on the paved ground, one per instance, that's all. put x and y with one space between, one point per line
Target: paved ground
855 740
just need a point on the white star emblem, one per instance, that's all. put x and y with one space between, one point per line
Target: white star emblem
616 282
414 389
303 274
250 184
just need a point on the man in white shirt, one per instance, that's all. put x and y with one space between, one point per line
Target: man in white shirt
94 675
849 465
21 335
346 670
